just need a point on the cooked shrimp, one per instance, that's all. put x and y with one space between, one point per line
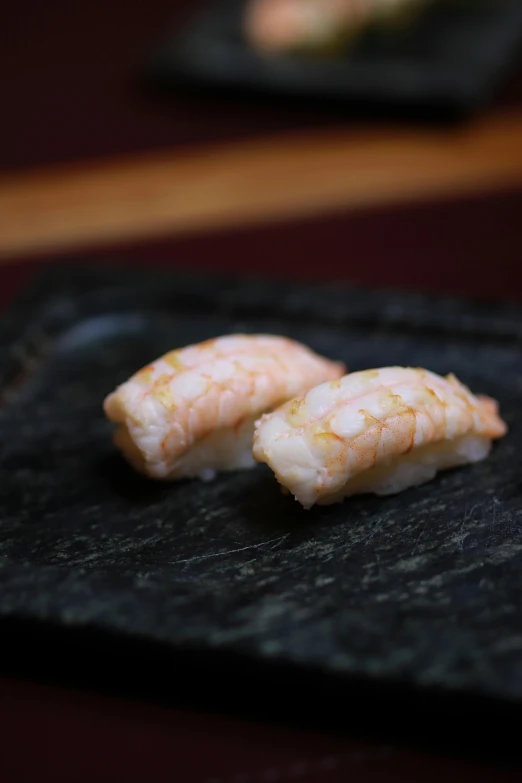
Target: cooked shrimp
377 431
192 411
281 25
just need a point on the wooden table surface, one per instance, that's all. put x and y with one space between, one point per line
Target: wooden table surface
292 175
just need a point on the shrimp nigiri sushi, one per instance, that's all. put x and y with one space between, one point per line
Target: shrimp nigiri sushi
317 25
192 412
377 431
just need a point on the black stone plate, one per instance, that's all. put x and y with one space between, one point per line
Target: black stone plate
201 587
449 62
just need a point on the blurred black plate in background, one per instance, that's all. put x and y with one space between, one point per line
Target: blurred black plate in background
446 63
189 588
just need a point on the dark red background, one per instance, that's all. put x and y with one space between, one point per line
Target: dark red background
70 72
470 246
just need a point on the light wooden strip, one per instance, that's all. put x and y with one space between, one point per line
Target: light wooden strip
287 176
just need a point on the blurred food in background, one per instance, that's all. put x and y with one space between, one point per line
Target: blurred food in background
321 26
433 59
98 155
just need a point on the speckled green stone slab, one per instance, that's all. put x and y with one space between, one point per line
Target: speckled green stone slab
423 589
